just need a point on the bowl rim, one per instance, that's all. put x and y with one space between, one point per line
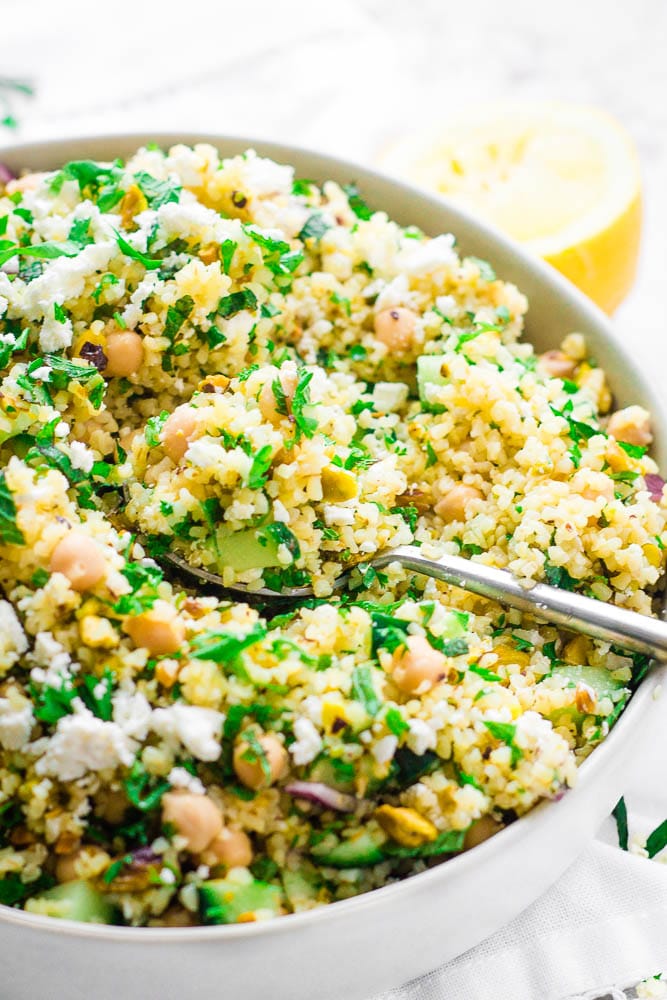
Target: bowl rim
599 759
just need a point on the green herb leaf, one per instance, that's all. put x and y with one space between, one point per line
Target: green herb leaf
13 890
620 814
505 732
234 303
142 789
177 315
633 450
487 675
148 262
315 227
356 202
153 428
657 840
558 576
227 251
305 424
225 647
486 272
364 691
395 722
157 192
388 632
259 469
10 533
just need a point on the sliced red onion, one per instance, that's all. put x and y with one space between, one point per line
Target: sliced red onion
322 795
143 856
654 484
6 174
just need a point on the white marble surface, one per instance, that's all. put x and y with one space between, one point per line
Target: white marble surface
347 75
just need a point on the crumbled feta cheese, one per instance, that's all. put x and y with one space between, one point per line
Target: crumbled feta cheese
15 724
83 743
81 457
198 729
167 876
385 749
12 638
389 396
41 374
204 452
54 335
54 663
335 514
308 742
394 293
420 737
179 777
264 177
132 712
280 512
424 258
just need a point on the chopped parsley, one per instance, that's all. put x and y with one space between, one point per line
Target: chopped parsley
315 227
363 689
259 469
506 732
10 533
234 303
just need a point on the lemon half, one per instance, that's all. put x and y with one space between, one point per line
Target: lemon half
562 179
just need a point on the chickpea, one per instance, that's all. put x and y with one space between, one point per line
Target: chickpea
632 425
158 630
125 353
480 831
395 328
195 817
268 404
231 848
556 364
256 772
78 557
417 666
453 505
177 432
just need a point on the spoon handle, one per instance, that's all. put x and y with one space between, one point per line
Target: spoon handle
562 607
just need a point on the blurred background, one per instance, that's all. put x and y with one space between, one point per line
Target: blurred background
348 77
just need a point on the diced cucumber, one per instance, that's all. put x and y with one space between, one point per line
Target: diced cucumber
255 548
73 901
430 371
361 849
455 625
247 549
230 900
599 679
302 886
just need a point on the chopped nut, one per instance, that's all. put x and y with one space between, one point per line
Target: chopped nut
405 826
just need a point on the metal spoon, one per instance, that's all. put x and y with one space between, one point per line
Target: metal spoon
560 607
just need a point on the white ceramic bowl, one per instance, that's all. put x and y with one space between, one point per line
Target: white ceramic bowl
357 948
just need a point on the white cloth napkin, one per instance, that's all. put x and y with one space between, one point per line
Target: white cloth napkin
344 77
603 924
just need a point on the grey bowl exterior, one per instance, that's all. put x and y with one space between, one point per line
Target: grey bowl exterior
359 947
